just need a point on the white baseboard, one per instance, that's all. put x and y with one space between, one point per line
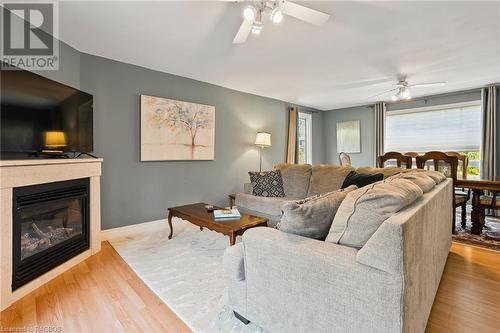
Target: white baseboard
133 229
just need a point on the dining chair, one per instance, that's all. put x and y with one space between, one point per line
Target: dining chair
489 202
393 155
345 160
413 155
449 166
462 159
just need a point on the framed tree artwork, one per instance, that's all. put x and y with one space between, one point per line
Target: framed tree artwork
349 137
175 130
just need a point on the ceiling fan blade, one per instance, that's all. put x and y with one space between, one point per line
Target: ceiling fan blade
430 84
303 13
383 93
243 32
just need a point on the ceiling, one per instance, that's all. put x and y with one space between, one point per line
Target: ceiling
358 53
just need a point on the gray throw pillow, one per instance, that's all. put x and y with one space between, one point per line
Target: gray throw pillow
267 183
365 209
313 216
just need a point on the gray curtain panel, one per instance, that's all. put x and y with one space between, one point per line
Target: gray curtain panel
292 134
489 158
379 129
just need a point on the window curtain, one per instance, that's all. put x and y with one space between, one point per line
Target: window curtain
379 129
292 135
489 158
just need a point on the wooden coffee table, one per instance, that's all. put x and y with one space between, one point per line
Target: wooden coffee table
198 215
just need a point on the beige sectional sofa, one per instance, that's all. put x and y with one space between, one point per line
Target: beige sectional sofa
287 283
299 182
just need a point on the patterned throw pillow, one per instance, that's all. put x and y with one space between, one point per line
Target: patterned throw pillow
267 183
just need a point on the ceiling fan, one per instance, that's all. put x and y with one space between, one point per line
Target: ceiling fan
402 89
276 9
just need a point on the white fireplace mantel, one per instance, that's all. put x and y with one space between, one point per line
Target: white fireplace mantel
17 173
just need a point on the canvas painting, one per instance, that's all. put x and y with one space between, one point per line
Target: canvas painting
175 130
349 137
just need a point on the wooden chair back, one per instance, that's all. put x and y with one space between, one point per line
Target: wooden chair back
393 155
344 159
462 159
438 158
413 155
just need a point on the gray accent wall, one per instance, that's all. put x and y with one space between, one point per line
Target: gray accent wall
366 116
69 67
133 191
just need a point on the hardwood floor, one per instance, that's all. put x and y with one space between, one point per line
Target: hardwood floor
103 294
468 298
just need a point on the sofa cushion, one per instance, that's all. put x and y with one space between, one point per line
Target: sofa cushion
437 176
327 177
267 207
296 178
267 183
360 179
313 216
365 209
387 172
420 179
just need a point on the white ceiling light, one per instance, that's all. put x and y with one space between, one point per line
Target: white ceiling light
405 93
249 13
257 28
276 9
402 89
276 15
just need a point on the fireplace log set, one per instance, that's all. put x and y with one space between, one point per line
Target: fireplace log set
31 244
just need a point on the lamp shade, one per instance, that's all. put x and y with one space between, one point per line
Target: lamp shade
54 139
263 139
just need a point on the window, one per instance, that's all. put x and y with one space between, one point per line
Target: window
454 127
304 138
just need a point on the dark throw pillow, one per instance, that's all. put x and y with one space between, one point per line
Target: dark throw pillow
267 183
361 179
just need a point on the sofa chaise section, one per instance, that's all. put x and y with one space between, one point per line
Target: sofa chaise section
288 283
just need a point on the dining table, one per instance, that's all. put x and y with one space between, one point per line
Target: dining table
478 186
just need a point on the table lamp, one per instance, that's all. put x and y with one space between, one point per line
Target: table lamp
262 140
54 141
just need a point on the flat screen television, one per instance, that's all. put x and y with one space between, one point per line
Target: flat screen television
40 117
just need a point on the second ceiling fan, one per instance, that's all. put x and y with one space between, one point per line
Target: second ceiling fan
253 14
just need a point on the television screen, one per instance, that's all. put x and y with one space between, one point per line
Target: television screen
41 115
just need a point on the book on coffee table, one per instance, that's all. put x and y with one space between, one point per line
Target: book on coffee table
226 214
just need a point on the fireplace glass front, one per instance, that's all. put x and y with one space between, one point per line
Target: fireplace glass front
50 226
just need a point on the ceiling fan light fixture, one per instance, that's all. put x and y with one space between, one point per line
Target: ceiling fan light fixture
276 15
249 13
257 28
406 93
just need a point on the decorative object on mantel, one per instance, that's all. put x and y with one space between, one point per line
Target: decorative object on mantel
175 130
262 140
54 141
349 137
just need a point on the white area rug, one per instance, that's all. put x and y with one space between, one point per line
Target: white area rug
186 273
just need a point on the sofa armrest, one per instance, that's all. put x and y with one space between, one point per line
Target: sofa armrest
233 262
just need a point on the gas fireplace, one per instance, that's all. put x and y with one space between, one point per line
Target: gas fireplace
50 226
